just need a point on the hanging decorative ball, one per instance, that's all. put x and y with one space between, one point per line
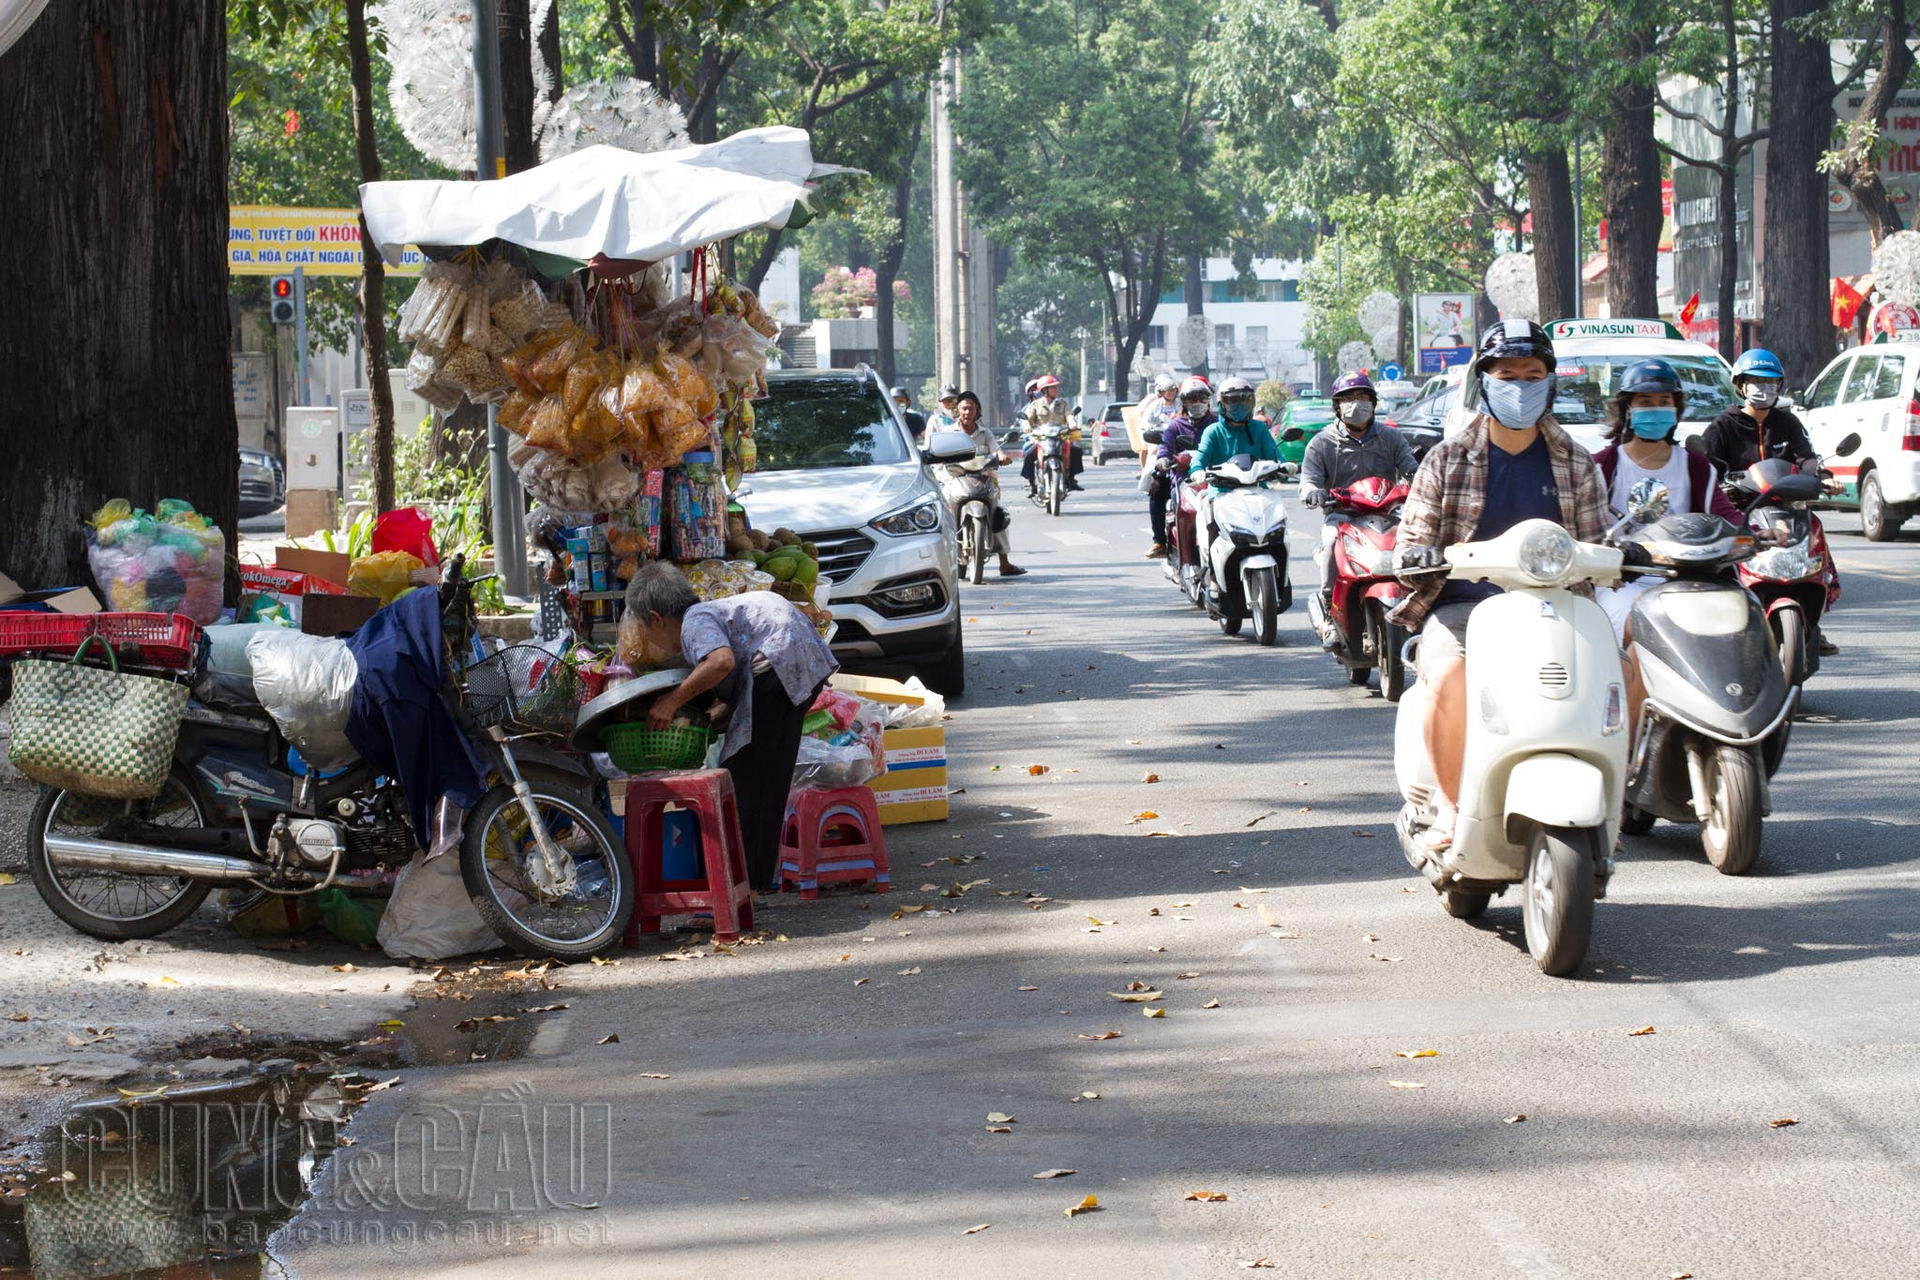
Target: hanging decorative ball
1896 267
1354 355
1378 310
620 112
1386 342
1514 287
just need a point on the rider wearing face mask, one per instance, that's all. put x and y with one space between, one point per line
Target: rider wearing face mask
1236 432
1346 453
1514 462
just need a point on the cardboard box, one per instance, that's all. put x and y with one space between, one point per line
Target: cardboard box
323 566
60 599
914 787
311 510
286 586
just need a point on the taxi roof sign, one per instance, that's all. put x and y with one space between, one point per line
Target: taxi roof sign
1593 327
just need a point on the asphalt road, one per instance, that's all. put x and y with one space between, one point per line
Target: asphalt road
822 1104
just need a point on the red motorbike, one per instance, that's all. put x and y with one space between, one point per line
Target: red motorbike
1183 553
1364 589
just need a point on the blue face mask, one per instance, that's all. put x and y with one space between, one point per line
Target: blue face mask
1654 423
1238 414
1517 405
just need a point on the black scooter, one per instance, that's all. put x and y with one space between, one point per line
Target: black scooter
1718 709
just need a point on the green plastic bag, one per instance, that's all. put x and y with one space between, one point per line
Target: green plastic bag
350 919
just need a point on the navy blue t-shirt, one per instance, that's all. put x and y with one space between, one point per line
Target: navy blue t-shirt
1519 487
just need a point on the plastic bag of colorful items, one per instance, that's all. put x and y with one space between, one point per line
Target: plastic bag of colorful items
173 561
842 744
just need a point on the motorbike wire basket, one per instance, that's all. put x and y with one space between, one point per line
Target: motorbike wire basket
524 689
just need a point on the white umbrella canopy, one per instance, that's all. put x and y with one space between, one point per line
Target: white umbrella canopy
603 200
15 17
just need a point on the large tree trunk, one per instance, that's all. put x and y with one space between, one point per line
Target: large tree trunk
1630 193
1556 261
1862 175
516 85
115 378
1795 260
886 268
373 275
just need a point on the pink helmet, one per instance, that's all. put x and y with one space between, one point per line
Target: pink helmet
1044 381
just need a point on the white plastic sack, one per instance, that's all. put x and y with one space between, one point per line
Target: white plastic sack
306 685
229 674
430 916
928 715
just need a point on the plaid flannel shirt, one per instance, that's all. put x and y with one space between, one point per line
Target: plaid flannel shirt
1449 492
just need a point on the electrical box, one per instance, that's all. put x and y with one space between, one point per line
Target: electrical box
313 447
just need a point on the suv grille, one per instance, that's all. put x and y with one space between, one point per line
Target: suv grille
842 552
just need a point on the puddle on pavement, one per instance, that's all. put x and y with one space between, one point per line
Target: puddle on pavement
187 1182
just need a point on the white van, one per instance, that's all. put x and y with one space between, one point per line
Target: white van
1871 390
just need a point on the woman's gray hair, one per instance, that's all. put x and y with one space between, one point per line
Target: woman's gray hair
660 588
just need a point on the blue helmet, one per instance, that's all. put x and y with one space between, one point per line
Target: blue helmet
1650 376
1758 363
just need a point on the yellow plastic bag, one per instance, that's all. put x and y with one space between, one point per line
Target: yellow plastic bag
383 575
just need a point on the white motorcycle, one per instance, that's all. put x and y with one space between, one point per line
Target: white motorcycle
1242 537
1545 765
968 488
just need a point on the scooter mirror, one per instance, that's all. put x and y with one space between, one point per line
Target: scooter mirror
1848 446
948 446
1292 435
1697 443
1152 435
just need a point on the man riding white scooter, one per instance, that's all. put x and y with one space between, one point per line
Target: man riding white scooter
1513 463
984 446
1346 453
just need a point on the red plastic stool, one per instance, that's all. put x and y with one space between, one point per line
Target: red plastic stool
724 890
832 837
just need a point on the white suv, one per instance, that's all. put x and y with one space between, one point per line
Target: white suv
1871 390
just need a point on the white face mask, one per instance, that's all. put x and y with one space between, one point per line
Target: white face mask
1763 395
1356 413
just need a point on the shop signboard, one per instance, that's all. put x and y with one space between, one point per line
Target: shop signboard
1440 330
274 240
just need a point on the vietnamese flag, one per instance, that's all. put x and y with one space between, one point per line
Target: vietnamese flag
1693 305
1847 302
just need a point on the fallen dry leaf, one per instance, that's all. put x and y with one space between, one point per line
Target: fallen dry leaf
1258 1264
468 1024
1266 915
999 1117
614 1038
1156 950
1191 973
19 1017
1210 1197
1374 955
6 877
1029 988
655 1075
1643 1031
1158 835
1036 769
999 1128
165 981
1416 1053
1156 1012
1517 1118
545 1008
908 973
346 968
1782 1123
1363 833
1211 1004
1679 1275
1137 997
974 1231
1096 920
1089 1205
1055 1173
1145 815
1149 777
1104 1035
1406 1084
861 982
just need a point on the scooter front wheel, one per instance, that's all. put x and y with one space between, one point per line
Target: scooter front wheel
497 851
1791 629
1263 601
1558 908
1731 834
1387 641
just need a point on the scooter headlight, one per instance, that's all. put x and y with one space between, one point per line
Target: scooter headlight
1782 563
1546 554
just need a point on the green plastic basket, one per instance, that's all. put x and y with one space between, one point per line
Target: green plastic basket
634 748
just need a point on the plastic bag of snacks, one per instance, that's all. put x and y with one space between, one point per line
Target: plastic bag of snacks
431 319
173 561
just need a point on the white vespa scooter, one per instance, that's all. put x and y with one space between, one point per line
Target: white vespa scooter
1546 742
1242 540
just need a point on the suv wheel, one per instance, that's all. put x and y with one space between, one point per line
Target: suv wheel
947 674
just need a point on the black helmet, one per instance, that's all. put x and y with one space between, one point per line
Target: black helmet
1649 376
1513 340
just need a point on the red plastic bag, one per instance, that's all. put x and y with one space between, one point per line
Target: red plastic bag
405 529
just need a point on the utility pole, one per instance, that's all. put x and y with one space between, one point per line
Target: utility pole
300 334
948 309
509 521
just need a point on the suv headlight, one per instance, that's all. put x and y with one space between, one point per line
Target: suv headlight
922 516
1546 554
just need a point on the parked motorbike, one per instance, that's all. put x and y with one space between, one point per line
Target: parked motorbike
1242 547
1718 709
1546 744
1050 466
1364 587
241 810
1794 579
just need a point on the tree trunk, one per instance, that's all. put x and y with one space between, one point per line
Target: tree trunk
516 85
1729 219
373 275
1197 305
1863 175
887 268
1796 307
115 377
632 24
1555 260
1630 193
763 261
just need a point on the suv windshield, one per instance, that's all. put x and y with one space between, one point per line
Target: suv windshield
1588 382
808 424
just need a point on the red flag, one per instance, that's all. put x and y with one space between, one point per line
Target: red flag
1693 305
1847 302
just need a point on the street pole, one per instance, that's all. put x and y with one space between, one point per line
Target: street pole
300 333
509 532
1579 264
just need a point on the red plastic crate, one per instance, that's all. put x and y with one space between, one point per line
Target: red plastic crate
163 639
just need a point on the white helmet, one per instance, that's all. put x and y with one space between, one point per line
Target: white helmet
1164 382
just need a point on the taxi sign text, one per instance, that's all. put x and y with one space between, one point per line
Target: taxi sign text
1614 329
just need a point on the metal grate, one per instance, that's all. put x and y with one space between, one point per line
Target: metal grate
1553 675
842 552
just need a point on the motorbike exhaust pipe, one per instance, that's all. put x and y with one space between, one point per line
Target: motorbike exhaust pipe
147 860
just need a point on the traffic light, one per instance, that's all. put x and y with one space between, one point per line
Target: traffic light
280 308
